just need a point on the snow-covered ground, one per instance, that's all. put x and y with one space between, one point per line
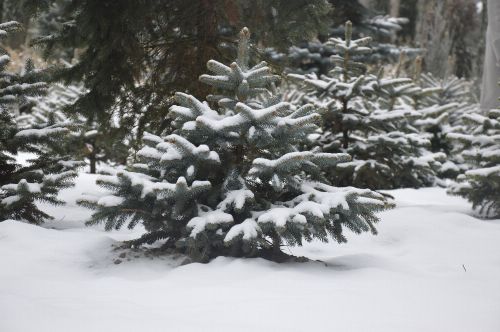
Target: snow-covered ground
433 267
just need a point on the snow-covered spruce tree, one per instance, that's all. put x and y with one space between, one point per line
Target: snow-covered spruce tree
86 141
481 148
369 117
49 108
230 181
40 178
346 83
444 101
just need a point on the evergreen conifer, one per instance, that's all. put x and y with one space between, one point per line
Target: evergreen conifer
481 148
230 179
86 140
132 56
42 176
371 118
445 100
314 56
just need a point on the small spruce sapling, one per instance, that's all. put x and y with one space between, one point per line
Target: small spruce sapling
87 139
369 117
443 102
230 179
481 148
40 178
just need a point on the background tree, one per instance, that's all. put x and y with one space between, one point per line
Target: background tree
437 26
84 142
480 146
370 117
42 176
445 100
314 55
132 55
440 29
23 12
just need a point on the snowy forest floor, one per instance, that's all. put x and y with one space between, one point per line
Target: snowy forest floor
433 267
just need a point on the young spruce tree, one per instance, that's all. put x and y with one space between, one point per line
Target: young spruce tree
481 148
445 100
86 141
369 117
39 178
230 180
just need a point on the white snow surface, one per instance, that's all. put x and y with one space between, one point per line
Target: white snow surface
433 267
110 200
248 229
204 220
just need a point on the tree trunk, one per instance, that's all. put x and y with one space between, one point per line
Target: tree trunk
345 135
93 163
433 35
366 3
420 20
395 8
345 131
276 245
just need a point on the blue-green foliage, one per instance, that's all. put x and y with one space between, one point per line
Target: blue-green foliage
41 177
480 147
230 180
372 118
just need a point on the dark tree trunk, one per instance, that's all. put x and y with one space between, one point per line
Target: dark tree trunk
93 163
276 245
